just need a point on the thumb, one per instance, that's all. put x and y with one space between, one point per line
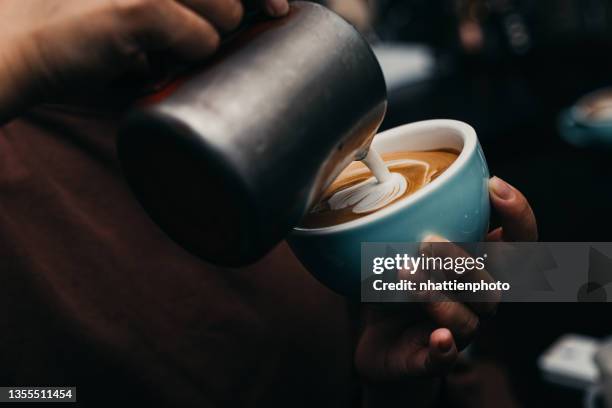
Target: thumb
517 218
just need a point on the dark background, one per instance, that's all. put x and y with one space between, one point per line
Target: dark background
513 95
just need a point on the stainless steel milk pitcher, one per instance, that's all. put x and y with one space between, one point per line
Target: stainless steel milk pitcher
228 158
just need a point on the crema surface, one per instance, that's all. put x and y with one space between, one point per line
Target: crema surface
357 193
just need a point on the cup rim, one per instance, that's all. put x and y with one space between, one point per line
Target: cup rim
470 142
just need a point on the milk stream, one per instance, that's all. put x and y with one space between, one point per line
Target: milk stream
373 193
377 166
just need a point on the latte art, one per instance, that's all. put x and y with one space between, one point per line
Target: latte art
373 193
357 192
369 195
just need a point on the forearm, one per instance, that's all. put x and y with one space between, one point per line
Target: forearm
17 86
415 393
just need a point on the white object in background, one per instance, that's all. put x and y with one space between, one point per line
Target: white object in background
569 362
404 64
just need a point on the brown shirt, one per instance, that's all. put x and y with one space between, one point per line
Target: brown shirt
93 294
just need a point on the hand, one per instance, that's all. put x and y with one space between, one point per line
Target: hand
417 341
51 46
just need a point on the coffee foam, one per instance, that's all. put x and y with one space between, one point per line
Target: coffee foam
357 193
372 194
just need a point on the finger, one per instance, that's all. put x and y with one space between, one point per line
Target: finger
495 235
389 352
223 14
436 358
456 317
275 8
436 246
408 355
139 66
484 303
517 218
165 25
442 352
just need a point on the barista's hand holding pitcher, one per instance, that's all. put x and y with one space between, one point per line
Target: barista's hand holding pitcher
423 339
53 46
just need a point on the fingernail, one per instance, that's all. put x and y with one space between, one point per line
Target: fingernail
501 189
434 238
277 8
425 248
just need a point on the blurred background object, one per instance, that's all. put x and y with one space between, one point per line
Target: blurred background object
513 69
588 123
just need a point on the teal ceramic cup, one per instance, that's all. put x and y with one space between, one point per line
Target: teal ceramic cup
455 205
